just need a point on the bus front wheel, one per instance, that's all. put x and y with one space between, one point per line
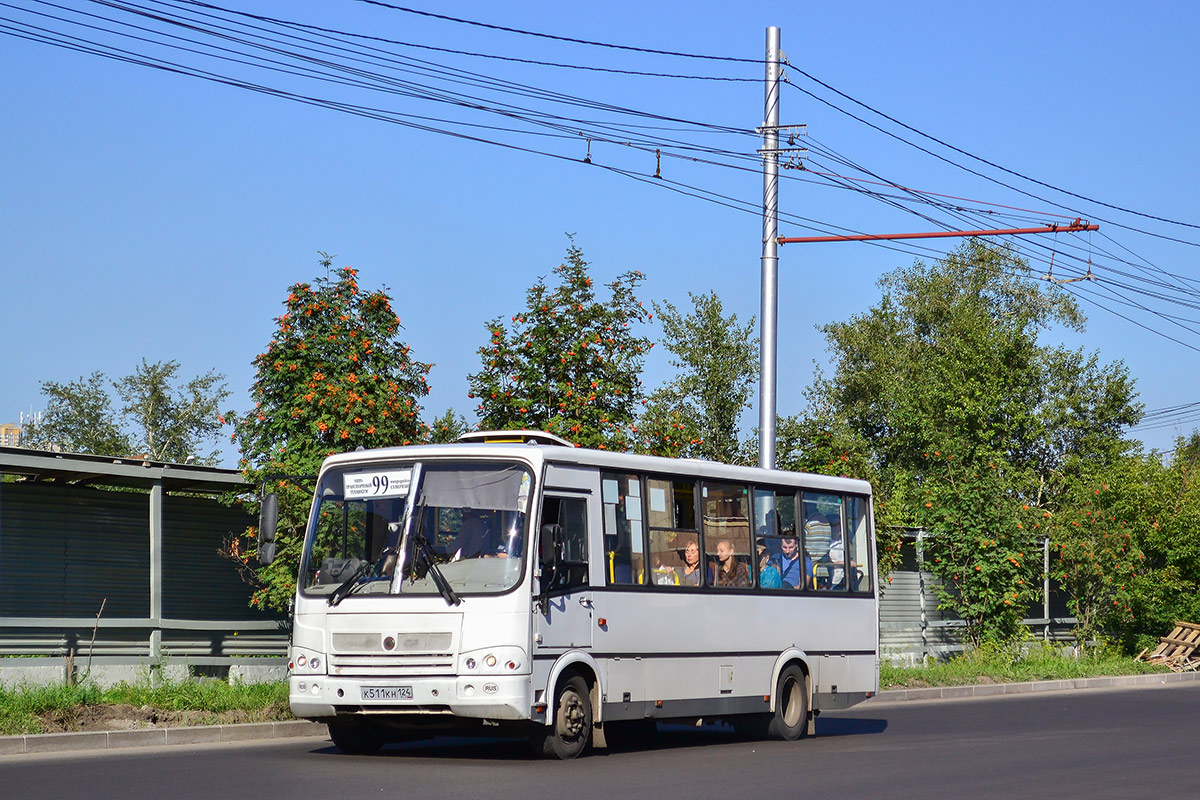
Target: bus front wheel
791 705
568 733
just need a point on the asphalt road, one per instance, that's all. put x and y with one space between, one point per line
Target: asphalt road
1134 743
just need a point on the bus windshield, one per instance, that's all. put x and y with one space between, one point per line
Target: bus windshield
468 523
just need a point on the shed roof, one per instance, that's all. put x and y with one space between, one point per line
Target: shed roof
79 469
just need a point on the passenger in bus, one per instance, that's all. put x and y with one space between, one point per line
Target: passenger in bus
728 571
793 570
662 574
689 573
768 573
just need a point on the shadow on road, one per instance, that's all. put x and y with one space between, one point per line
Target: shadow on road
668 737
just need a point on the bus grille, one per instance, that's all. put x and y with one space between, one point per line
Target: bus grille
392 665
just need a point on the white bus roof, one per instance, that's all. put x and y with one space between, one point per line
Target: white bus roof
538 453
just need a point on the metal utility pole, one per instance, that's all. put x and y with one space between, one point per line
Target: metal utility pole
769 303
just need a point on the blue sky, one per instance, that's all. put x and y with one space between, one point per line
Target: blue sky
147 214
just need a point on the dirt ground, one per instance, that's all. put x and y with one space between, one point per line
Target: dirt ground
125 718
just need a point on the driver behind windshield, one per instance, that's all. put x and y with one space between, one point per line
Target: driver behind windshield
479 536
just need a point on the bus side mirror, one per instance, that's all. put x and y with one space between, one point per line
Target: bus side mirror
268 521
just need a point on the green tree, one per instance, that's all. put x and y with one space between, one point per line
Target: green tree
982 547
79 418
448 427
1160 502
570 364
172 421
162 419
949 361
335 376
1097 560
697 414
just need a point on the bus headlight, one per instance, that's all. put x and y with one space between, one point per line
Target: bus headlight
493 661
306 662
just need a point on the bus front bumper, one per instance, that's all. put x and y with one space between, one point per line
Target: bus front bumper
498 697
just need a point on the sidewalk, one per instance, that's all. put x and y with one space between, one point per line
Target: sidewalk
996 689
208 734
157 737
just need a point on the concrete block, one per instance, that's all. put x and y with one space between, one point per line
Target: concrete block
29 673
950 692
198 734
300 727
247 732
58 742
1048 686
254 673
148 737
11 745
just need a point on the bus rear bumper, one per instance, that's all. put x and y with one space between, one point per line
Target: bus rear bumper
496 697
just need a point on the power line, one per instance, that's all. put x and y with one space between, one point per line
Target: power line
986 161
572 40
473 54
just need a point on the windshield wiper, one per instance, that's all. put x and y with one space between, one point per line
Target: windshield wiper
426 552
350 585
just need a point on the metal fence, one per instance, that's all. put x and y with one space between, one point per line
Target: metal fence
913 628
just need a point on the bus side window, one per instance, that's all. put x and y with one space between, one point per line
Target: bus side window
857 543
726 510
570 514
823 541
624 531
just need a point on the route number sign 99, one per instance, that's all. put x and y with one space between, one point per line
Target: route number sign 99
384 483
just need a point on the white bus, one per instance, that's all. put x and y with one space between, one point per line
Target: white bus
515 582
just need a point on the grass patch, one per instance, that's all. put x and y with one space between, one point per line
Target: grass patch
1039 662
27 709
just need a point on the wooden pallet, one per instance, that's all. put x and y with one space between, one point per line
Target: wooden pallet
1180 651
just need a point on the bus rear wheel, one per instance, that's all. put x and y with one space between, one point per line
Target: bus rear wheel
568 734
790 719
356 737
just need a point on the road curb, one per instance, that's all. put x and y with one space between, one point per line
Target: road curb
997 689
208 734
157 737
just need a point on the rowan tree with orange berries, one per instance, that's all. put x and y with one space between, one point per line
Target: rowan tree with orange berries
570 362
335 376
1097 560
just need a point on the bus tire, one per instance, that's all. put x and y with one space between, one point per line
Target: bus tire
569 732
355 737
790 719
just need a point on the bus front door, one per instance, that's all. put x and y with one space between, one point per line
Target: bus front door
565 620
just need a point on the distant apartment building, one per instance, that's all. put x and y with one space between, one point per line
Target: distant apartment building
10 434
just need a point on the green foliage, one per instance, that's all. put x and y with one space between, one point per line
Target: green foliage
79 418
697 413
448 427
21 708
570 364
949 362
172 420
1096 561
1012 664
161 419
1161 504
335 376
977 545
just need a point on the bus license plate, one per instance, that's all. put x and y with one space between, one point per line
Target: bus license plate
387 693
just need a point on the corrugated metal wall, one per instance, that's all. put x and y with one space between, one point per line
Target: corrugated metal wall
198 583
911 626
64 550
